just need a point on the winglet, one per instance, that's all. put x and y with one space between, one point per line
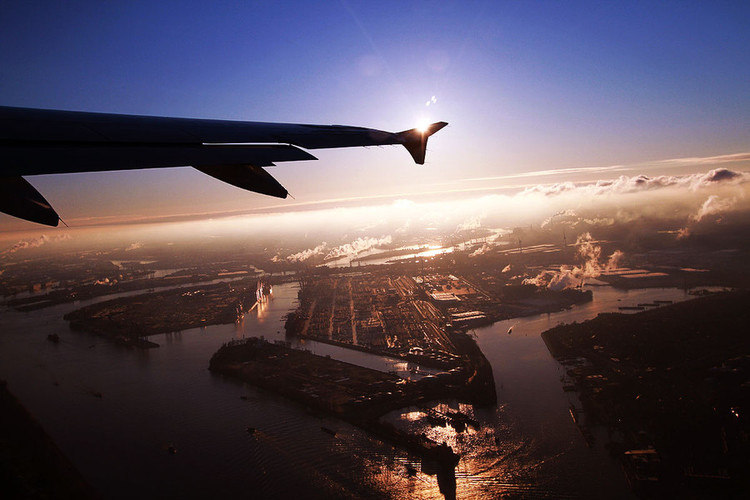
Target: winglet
415 140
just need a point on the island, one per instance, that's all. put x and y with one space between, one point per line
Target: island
349 392
129 320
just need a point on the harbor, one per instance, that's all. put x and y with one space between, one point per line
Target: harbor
352 393
206 420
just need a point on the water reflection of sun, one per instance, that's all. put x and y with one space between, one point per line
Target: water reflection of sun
262 310
494 460
413 416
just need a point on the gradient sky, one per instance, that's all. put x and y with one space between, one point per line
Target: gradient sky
526 87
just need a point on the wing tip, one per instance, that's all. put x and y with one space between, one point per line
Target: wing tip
415 140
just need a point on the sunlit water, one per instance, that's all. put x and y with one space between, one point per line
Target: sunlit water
164 397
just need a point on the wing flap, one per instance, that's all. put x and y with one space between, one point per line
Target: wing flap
249 177
20 199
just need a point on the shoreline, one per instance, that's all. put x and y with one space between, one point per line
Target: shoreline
262 364
666 394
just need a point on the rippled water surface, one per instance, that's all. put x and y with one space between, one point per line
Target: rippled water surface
151 400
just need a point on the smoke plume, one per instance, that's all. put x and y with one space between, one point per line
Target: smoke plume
134 246
589 253
34 243
358 246
306 254
486 247
470 223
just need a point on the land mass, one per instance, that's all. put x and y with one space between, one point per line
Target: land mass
379 311
417 317
129 319
673 386
352 393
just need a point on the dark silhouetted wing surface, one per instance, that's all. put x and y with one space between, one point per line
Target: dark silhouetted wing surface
36 141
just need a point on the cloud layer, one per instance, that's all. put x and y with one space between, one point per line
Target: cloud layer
663 203
640 183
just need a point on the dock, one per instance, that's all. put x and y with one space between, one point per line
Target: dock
352 393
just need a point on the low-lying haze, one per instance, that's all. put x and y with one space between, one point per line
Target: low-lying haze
625 207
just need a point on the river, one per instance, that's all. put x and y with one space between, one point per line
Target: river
153 399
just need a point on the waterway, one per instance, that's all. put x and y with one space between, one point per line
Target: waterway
157 398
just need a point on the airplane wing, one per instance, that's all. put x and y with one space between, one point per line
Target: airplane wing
37 141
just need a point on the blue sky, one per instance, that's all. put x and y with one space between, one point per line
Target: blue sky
526 86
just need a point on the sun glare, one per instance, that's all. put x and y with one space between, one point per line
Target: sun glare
423 124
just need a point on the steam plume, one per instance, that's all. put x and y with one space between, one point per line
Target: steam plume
306 254
357 246
569 277
34 243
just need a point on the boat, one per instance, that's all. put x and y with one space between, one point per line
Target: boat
573 413
250 430
53 337
329 431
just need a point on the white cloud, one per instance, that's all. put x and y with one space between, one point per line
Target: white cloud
707 160
713 206
566 217
640 183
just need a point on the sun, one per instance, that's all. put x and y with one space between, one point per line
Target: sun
423 124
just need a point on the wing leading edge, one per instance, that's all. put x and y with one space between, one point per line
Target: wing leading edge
36 141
